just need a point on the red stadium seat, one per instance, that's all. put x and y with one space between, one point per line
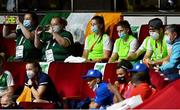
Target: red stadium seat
67 78
7 46
157 80
33 105
18 71
143 33
167 98
110 72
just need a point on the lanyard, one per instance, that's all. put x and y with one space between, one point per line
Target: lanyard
94 43
49 42
21 40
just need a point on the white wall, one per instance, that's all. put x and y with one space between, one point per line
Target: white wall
173 20
139 20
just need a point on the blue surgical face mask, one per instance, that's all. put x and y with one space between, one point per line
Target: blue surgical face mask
167 38
94 29
154 35
27 23
122 35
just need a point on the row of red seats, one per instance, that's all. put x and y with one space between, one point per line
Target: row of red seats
67 77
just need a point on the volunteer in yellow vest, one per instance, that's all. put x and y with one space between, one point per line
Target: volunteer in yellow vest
156 44
110 23
97 45
125 45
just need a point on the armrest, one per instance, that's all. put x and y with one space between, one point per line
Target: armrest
34 105
72 98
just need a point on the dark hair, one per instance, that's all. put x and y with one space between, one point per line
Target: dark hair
61 21
156 23
125 64
125 24
100 20
34 18
35 64
140 77
173 28
1 58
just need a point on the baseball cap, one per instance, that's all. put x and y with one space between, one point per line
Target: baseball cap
139 67
156 23
93 74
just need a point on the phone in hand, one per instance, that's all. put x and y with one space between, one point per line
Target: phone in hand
10 19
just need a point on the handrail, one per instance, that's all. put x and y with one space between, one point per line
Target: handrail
86 11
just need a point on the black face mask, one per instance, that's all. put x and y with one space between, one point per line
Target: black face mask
121 80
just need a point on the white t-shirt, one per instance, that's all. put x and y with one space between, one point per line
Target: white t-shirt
143 45
107 44
9 81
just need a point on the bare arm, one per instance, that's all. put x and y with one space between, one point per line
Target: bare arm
10 90
6 33
147 57
27 34
113 58
37 42
38 93
134 56
117 96
61 40
85 54
94 105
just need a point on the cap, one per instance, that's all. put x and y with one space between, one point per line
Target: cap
139 67
156 23
93 74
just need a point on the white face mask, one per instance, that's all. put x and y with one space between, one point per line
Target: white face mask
56 28
154 35
30 74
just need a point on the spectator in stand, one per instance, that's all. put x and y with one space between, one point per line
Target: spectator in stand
125 45
141 82
103 97
6 81
7 102
40 84
24 35
123 79
171 68
132 81
98 44
158 50
56 43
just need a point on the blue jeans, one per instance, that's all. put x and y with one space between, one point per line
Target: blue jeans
171 74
